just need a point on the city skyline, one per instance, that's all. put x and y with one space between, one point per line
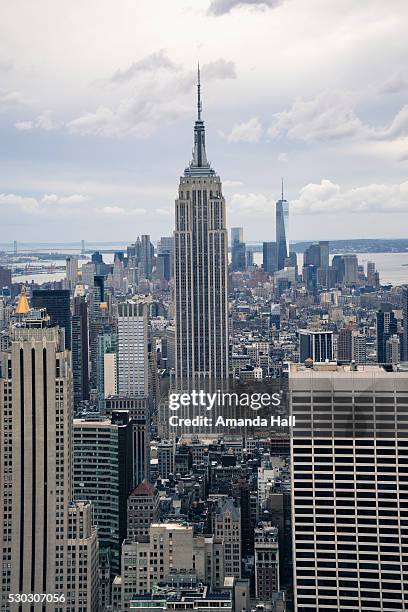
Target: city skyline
83 132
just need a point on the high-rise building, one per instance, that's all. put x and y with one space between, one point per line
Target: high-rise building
350 269
349 452
359 347
266 562
139 413
37 542
393 350
71 264
142 511
344 345
405 323
80 351
282 231
386 327
201 269
57 304
146 256
106 368
132 349
35 479
315 345
226 525
102 473
165 458
83 559
5 278
238 250
269 257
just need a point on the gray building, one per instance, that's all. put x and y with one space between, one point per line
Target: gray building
349 503
201 267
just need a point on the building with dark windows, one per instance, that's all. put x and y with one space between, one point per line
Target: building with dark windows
386 327
80 350
57 304
315 345
269 257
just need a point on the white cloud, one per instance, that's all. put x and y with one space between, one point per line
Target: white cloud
221 7
327 197
27 204
45 121
330 116
71 200
142 114
249 131
397 83
120 211
10 99
150 63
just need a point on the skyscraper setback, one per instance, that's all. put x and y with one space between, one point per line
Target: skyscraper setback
201 264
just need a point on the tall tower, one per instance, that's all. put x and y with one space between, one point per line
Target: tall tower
282 231
200 266
132 349
35 478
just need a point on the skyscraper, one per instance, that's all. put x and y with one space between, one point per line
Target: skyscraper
103 473
57 304
386 327
132 349
72 270
269 257
315 345
349 452
80 351
238 249
282 231
35 416
201 266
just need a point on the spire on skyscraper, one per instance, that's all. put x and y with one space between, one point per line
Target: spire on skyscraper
199 163
199 107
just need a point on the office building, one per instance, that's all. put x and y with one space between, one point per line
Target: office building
132 349
102 474
269 257
350 269
83 560
226 526
266 562
36 405
393 350
238 250
315 345
350 448
386 327
282 231
80 351
71 264
106 367
5 278
139 413
142 511
57 304
35 413
165 458
405 322
201 268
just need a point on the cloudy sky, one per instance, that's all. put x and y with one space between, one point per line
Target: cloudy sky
97 104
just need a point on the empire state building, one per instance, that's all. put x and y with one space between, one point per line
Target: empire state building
200 269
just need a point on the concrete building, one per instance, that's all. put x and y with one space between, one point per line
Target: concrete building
83 560
350 448
102 471
142 511
132 349
201 270
36 407
266 562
